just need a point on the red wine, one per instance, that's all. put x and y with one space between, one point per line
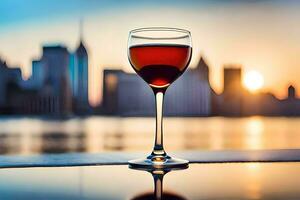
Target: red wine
160 65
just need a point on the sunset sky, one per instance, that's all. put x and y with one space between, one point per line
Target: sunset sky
263 36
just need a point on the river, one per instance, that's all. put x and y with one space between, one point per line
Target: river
101 134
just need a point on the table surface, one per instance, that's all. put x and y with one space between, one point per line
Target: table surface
199 181
268 174
121 158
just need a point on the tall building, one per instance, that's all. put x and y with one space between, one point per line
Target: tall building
232 79
73 76
110 97
79 69
81 77
291 105
233 91
7 75
37 78
56 87
291 92
38 74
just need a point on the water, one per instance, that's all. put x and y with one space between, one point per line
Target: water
100 134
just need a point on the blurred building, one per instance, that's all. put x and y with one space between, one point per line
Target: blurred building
56 87
73 74
260 104
79 68
191 94
291 105
135 98
59 82
17 97
127 94
8 76
236 101
110 97
38 74
231 98
47 91
37 78
20 100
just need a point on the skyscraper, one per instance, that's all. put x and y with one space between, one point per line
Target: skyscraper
73 74
233 91
56 88
79 77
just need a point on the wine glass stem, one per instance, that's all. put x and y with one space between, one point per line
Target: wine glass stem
158 149
158 186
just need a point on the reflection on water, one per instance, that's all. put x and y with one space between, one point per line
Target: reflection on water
9 143
57 142
98 134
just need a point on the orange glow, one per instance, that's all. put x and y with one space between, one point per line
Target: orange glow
253 81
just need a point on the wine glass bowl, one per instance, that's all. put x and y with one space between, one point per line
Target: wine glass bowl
159 55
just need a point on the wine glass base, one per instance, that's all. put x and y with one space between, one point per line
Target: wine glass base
168 163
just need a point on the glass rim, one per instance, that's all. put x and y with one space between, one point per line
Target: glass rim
162 29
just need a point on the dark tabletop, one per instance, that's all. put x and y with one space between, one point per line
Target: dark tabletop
268 174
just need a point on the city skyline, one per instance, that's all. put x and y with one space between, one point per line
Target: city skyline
59 87
254 87
266 40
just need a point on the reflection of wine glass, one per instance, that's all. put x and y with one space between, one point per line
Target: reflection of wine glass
159 56
158 194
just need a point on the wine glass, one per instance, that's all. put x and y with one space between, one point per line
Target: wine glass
159 55
158 193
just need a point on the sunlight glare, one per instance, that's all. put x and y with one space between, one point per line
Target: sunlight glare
253 81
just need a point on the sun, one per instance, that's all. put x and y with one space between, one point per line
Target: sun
253 81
